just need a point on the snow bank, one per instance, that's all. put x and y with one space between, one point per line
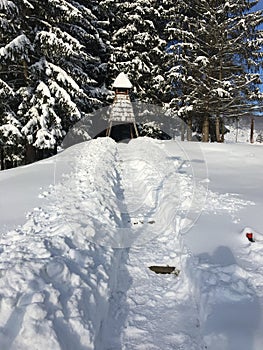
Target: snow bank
75 274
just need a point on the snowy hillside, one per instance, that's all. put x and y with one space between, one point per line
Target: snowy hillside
74 272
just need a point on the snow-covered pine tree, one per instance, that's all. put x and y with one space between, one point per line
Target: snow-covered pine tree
51 58
67 45
15 46
42 126
215 58
11 152
14 52
136 46
71 38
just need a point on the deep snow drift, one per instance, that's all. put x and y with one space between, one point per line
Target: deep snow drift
74 274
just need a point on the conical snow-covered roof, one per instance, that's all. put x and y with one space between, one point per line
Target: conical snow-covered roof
122 81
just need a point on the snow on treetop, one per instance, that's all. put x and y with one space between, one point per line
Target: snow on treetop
5 4
122 81
204 60
5 89
18 46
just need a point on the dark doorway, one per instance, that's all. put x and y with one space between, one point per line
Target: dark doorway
122 132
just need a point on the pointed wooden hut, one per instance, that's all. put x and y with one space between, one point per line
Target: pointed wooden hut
121 110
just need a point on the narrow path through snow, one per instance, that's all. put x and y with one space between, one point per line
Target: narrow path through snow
76 275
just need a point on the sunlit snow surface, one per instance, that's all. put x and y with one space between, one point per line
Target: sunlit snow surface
74 273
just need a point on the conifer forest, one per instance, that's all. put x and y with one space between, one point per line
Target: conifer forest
199 60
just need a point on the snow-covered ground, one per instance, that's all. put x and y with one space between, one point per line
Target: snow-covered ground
240 130
74 272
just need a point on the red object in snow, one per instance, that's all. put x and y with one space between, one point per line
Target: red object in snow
249 236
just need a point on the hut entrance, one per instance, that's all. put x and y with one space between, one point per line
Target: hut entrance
121 110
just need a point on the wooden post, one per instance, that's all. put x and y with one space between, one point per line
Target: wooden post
136 130
108 131
252 130
131 133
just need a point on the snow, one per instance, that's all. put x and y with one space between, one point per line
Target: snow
7 5
63 96
74 271
122 81
9 129
221 92
203 59
60 40
18 46
62 76
5 90
43 89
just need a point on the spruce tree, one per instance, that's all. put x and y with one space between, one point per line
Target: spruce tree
215 58
14 50
50 56
11 150
136 46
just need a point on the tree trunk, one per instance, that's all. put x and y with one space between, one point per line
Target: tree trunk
252 130
222 137
11 161
182 130
218 139
30 154
205 130
237 129
189 129
39 154
222 131
56 148
25 70
2 158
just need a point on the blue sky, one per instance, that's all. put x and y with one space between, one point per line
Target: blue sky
259 6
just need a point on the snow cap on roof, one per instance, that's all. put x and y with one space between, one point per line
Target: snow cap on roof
122 81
